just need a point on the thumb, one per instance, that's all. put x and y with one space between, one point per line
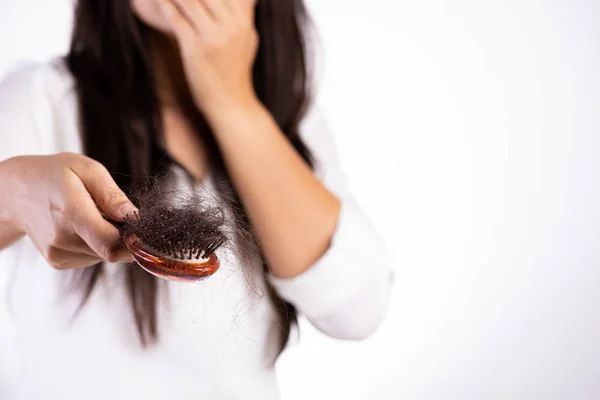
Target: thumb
107 195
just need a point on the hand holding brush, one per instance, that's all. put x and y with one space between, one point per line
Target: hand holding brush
64 203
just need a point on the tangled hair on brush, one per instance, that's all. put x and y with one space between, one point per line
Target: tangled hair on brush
181 226
121 123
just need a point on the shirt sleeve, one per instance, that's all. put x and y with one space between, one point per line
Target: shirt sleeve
346 292
19 106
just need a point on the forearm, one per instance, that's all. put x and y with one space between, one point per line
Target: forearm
293 214
10 230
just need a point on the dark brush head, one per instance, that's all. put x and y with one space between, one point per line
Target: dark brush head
176 226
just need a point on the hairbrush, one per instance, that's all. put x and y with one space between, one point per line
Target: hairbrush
175 243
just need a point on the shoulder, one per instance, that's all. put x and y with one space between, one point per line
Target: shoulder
35 100
29 83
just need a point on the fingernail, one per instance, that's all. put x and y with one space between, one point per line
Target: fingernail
128 209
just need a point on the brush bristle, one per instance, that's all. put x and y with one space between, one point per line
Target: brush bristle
188 230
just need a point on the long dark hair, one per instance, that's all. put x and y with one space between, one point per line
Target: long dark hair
121 123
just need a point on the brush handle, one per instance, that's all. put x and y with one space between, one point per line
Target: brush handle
168 268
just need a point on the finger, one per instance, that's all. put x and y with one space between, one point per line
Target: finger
65 259
219 10
242 11
78 245
74 243
104 191
100 235
248 7
183 27
195 11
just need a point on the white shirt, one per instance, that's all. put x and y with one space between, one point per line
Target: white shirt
217 337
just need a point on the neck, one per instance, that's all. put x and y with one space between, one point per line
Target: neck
169 76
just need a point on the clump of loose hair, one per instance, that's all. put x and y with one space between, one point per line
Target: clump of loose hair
177 224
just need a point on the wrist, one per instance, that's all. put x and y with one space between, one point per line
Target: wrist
8 215
235 112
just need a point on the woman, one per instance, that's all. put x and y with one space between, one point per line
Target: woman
212 90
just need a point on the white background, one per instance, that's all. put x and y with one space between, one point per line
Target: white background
471 134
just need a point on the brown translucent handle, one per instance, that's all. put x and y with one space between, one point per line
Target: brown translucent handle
168 268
